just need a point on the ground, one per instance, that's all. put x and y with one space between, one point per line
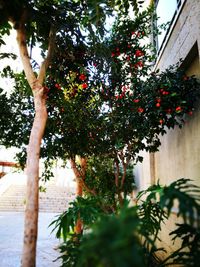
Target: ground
11 233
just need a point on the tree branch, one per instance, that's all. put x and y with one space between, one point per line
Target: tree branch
21 40
80 178
116 172
48 59
125 162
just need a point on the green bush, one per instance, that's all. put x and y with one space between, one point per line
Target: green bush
129 236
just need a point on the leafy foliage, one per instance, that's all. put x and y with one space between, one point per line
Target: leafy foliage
129 237
70 251
100 176
188 254
113 242
88 210
188 200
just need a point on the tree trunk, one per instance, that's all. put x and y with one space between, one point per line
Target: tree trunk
79 192
33 150
80 177
32 205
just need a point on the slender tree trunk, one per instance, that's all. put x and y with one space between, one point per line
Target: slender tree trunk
33 150
32 205
79 192
80 177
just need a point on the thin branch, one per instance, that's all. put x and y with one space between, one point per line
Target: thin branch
48 59
123 176
79 177
83 167
92 191
23 50
116 172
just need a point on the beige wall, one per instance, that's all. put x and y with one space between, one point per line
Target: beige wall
179 154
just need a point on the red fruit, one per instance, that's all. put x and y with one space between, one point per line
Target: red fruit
161 121
139 53
132 33
117 48
129 46
136 100
82 77
113 54
58 86
140 110
139 64
165 92
190 113
178 109
157 105
84 85
158 100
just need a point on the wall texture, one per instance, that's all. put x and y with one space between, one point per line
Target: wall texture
179 154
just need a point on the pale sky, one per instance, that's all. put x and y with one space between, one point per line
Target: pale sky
165 11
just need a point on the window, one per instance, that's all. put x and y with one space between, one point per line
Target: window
166 11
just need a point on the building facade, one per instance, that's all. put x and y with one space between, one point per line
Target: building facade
179 153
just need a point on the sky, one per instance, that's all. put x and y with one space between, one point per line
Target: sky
165 11
7 84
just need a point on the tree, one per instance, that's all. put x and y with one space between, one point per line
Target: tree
121 65
51 24
141 105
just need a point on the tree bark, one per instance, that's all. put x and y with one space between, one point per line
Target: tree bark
33 150
80 177
32 199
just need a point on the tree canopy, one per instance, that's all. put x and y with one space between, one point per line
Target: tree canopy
103 100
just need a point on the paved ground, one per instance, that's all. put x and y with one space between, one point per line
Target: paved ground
11 240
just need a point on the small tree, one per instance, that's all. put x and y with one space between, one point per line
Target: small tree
52 25
138 104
